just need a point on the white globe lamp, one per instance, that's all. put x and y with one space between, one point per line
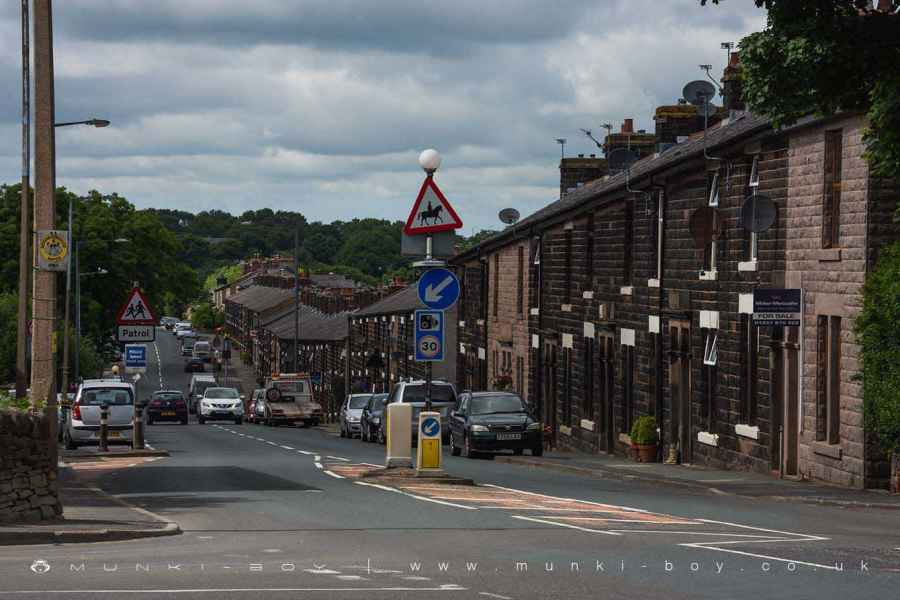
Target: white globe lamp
430 160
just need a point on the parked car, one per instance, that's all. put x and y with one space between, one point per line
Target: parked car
187 345
181 327
83 421
443 398
221 404
199 383
493 422
351 411
167 405
372 414
255 400
194 365
168 323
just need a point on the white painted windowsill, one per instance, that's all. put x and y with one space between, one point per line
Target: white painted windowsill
653 283
627 290
749 265
585 424
710 439
747 431
709 275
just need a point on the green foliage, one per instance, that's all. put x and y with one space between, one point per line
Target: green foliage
230 272
824 56
205 317
474 240
9 402
8 303
643 431
878 331
91 361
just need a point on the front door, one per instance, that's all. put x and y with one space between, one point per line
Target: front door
680 387
606 354
786 380
550 390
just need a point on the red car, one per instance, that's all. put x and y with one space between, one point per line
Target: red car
167 405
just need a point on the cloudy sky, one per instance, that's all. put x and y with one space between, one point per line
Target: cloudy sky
322 106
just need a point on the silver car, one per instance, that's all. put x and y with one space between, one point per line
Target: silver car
83 420
221 404
351 413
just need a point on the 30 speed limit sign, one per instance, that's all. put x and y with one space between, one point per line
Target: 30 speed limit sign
429 346
429 326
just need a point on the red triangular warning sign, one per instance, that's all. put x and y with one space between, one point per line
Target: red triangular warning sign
136 311
431 212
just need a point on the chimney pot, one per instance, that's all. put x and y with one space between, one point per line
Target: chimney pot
593 156
628 126
581 156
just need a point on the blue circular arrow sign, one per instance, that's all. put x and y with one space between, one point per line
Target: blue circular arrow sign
431 427
438 289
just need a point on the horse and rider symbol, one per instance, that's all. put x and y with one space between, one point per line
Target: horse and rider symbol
433 213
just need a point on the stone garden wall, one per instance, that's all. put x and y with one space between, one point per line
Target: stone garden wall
28 485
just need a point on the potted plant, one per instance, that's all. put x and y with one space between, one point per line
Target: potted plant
644 440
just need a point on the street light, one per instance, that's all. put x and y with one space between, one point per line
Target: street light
94 122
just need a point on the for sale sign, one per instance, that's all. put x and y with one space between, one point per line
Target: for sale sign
777 307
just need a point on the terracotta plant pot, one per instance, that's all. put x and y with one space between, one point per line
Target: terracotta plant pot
645 452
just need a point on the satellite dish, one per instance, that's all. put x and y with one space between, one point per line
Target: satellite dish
758 213
699 92
509 216
621 159
705 226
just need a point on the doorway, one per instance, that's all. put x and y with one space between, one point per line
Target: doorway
606 355
680 387
551 390
786 383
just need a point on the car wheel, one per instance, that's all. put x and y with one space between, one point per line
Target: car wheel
364 435
467 448
149 421
343 432
454 450
70 443
184 421
537 451
201 420
239 421
381 439
518 451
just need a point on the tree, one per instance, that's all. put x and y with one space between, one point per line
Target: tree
474 240
8 303
824 56
878 331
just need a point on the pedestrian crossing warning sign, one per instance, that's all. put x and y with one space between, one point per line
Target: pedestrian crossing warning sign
136 311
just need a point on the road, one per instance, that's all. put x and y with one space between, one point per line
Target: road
276 513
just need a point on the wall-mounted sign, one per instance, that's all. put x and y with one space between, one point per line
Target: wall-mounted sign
778 307
52 250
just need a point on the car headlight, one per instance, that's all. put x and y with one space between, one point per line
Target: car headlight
376 420
479 428
353 419
534 427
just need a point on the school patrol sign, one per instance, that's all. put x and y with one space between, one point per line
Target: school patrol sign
52 250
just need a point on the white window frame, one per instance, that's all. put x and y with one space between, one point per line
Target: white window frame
711 352
713 199
754 172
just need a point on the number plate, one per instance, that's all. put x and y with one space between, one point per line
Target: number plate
113 434
168 413
509 436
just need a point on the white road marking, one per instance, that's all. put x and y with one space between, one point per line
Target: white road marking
452 587
566 525
287 447
318 465
304 452
339 458
351 578
322 571
490 595
335 475
317 458
390 489
416 578
559 499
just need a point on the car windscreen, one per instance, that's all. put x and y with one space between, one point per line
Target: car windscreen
377 403
112 397
501 403
439 393
201 386
168 396
201 346
226 393
358 401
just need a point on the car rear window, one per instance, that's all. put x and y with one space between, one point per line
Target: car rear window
112 397
201 346
169 396
439 393
289 386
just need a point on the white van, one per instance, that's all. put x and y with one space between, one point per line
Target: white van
199 383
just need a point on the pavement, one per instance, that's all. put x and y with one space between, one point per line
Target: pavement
735 483
283 513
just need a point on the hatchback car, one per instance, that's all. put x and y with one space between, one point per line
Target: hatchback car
351 412
194 365
256 407
83 421
221 404
492 422
167 405
370 421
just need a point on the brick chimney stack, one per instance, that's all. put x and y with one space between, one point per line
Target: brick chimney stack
628 126
575 172
733 84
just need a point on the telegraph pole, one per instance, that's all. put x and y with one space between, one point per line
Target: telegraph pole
296 362
24 220
44 297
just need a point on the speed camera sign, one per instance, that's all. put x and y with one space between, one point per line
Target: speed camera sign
429 335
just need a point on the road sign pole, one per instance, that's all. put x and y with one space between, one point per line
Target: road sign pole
428 386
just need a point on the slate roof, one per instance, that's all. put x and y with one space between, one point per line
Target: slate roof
258 298
333 280
404 301
740 126
315 326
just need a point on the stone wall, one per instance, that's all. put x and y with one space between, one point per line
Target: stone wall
28 486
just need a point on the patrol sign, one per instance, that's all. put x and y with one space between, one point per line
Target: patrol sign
429 335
